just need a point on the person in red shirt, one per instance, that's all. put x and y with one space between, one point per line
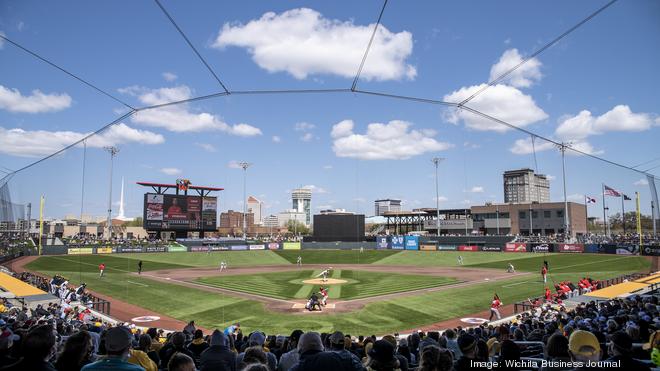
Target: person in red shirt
174 210
548 294
544 273
324 295
101 269
494 308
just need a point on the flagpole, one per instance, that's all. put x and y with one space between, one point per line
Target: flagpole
41 222
586 215
623 213
639 221
604 217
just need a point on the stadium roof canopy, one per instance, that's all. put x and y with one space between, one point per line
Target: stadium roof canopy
162 188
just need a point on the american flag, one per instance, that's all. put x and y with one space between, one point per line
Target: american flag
611 192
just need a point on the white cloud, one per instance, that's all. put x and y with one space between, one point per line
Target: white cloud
619 118
307 137
476 189
392 141
524 146
233 164
315 189
441 198
276 139
303 126
642 182
524 77
302 42
169 76
179 118
327 167
19 142
170 171
13 101
207 147
500 101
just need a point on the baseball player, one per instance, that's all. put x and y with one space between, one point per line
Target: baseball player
324 275
494 308
101 270
361 249
299 261
140 267
324 295
460 260
544 273
511 268
223 265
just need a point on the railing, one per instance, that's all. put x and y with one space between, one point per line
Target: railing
100 305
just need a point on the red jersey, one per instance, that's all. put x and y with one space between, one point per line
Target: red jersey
101 266
544 270
496 304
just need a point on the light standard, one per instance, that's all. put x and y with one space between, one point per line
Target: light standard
244 166
113 152
497 216
562 148
436 162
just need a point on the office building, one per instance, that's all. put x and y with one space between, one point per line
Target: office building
524 186
254 206
234 219
285 216
386 205
302 202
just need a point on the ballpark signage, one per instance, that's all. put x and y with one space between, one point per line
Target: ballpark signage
541 247
199 248
491 248
273 246
104 250
130 249
627 249
412 242
80 250
156 249
515 247
382 242
239 247
571 247
176 248
291 245
447 247
651 250
257 247
468 248
397 243
427 247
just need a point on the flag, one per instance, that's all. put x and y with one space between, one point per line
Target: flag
590 200
626 198
611 192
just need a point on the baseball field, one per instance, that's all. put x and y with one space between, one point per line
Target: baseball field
373 292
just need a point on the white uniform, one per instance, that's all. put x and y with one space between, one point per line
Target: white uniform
299 261
460 260
511 269
324 275
223 265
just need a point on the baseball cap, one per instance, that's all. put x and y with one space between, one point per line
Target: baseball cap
117 339
493 346
654 341
257 338
580 339
337 338
466 342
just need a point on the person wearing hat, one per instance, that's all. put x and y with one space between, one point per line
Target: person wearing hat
7 339
218 356
337 343
258 339
620 350
381 357
403 362
117 345
313 358
37 348
176 344
468 346
583 346
290 358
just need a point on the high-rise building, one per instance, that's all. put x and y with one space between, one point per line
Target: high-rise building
524 186
254 207
234 219
284 217
271 221
385 205
302 202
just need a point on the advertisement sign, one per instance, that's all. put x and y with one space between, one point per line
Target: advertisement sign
427 247
257 247
209 212
219 248
571 247
592 248
104 250
239 247
541 247
468 248
129 249
156 248
491 248
199 248
651 250
176 248
515 247
411 242
382 242
447 247
79 250
627 249
397 242
273 246
154 207
179 212
291 245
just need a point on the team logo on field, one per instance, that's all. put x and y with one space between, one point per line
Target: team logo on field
145 319
474 321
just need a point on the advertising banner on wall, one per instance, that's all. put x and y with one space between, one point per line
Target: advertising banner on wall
571 247
411 242
622 249
104 250
593 248
540 247
199 248
515 247
447 247
468 248
651 250
156 249
257 247
491 248
273 246
291 245
176 248
397 242
382 242
238 247
129 249
79 250
219 247
427 247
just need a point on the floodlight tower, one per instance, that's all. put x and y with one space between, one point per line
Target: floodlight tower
244 165
436 162
113 152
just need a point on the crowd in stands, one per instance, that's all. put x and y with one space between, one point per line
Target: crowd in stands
90 239
624 239
60 287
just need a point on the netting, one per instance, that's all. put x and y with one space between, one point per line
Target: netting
10 211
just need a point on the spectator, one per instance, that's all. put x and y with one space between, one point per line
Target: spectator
468 347
337 346
189 329
620 350
557 351
452 343
197 345
291 357
431 338
258 339
381 357
7 339
436 359
583 347
404 350
255 367
218 356
36 349
175 345
509 355
312 356
144 344
141 358
252 355
156 345
117 342
78 351
181 362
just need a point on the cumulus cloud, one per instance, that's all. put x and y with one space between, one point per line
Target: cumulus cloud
642 182
302 42
169 76
524 146
207 147
307 137
180 118
276 138
476 189
315 189
619 118
392 141
24 143
501 101
170 171
13 101
524 77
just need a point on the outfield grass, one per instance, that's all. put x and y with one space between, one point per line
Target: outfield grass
448 258
336 256
402 313
289 285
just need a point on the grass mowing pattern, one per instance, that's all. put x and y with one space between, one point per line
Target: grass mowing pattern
203 259
288 285
448 258
402 313
564 263
336 256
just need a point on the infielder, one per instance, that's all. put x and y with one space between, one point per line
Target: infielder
223 265
460 260
511 269
299 261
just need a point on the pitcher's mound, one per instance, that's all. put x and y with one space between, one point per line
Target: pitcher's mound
329 281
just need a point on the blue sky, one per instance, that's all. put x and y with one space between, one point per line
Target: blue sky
596 88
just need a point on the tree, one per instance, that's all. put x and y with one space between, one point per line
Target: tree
297 228
631 222
137 222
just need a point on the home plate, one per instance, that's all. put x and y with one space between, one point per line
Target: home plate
302 306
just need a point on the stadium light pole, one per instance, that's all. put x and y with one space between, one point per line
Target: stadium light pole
436 162
113 152
244 166
562 148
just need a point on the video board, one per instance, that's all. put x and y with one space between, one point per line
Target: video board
179 212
